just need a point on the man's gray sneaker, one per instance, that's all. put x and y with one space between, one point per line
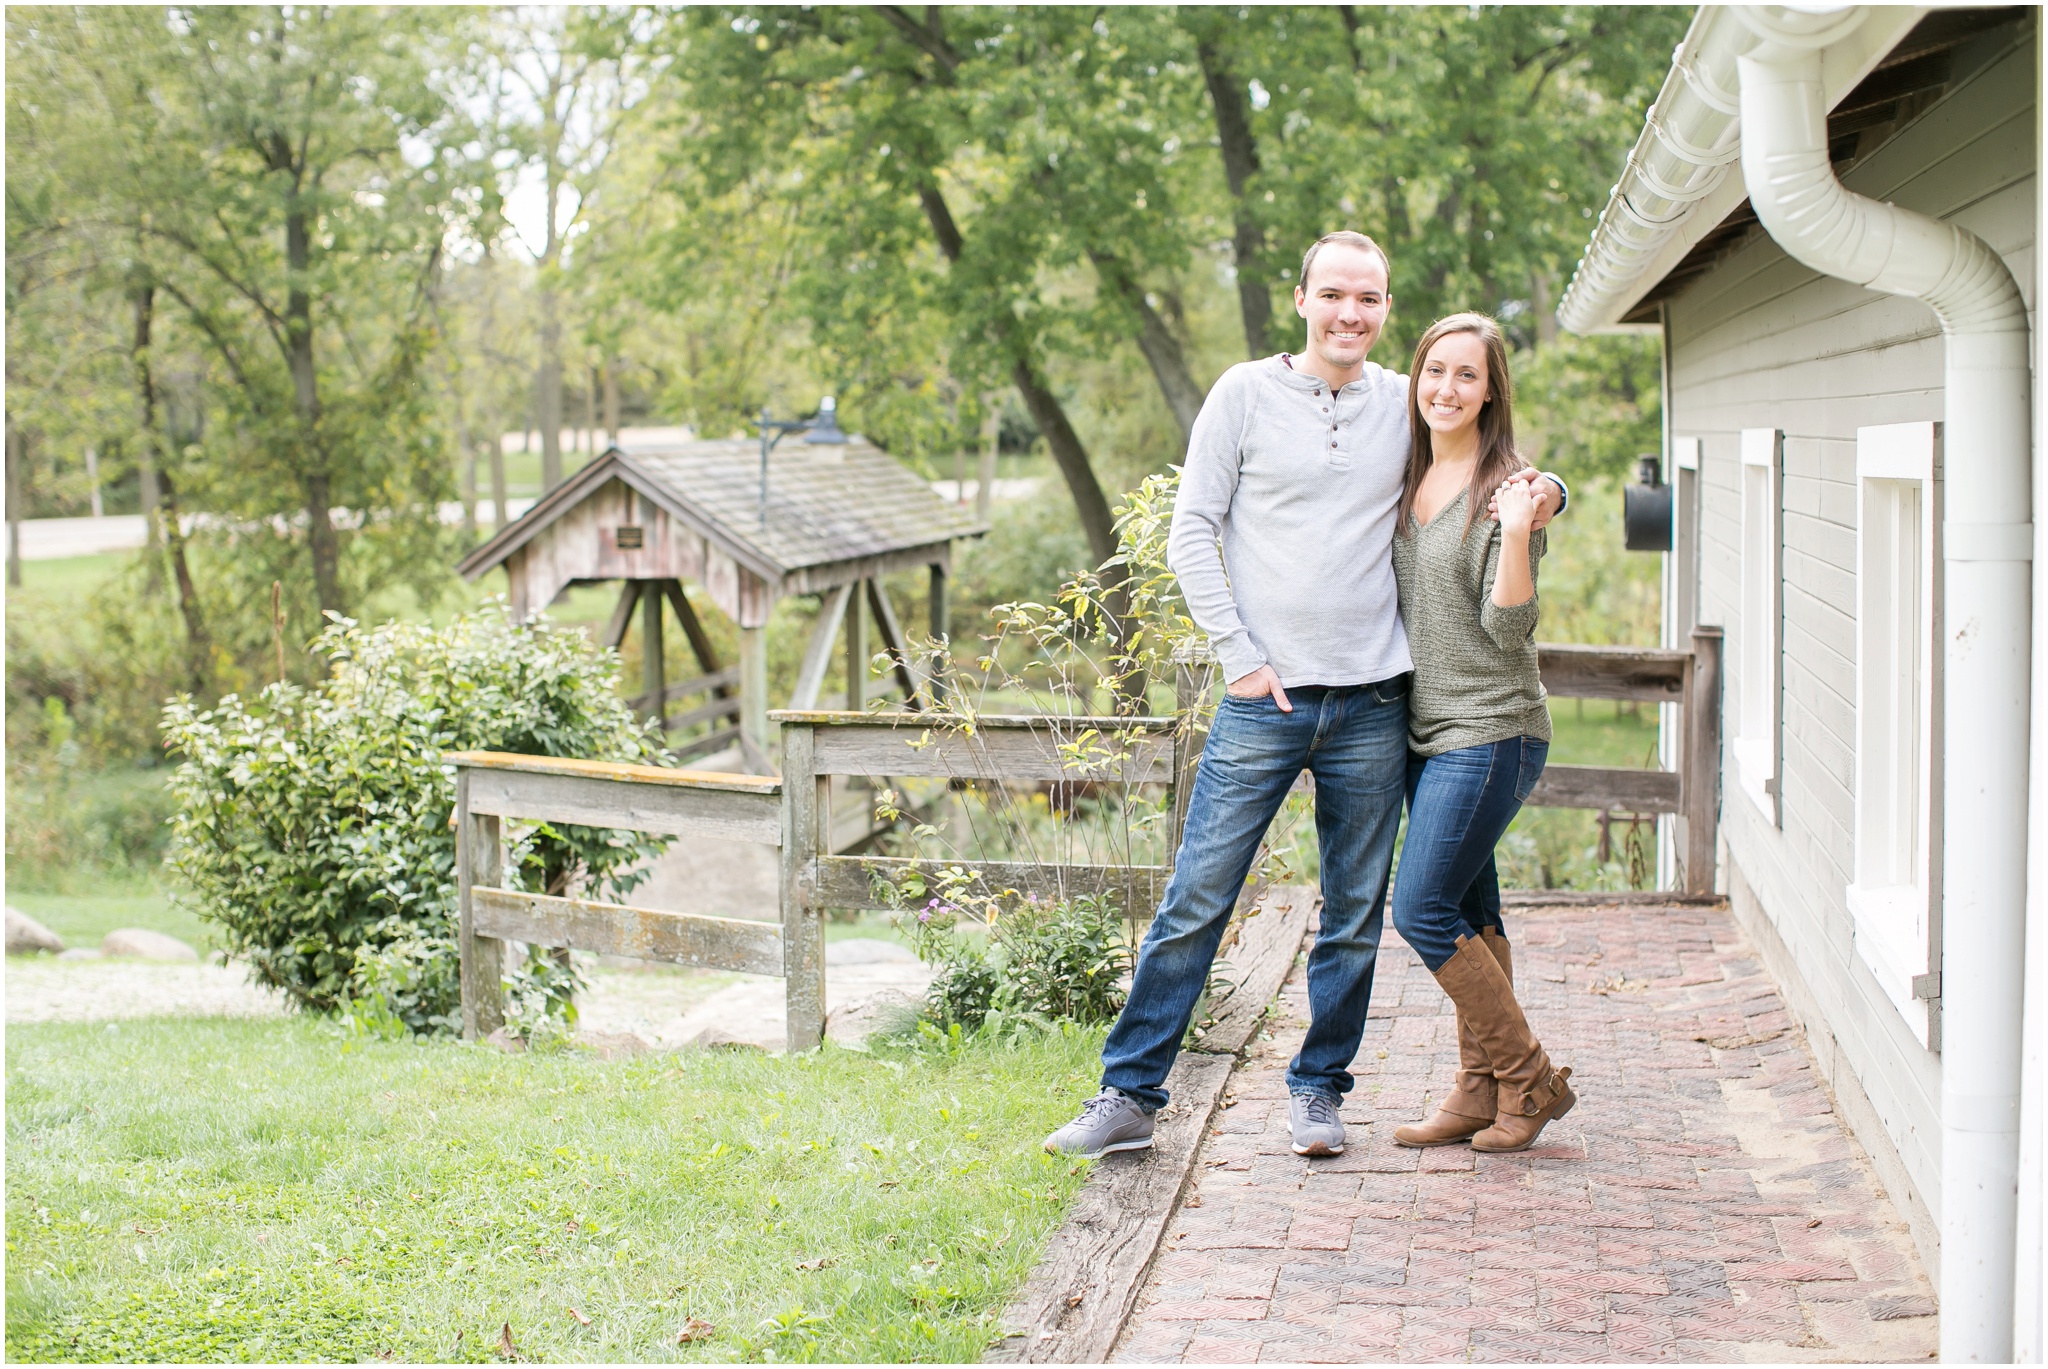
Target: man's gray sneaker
1111 1120
1318 1130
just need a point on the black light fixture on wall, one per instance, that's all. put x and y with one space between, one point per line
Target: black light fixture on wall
1646 508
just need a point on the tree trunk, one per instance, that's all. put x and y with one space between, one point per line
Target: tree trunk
198 642
1162 350
548 381
1240 164
611 401
499 516
161 515
466 472
317 483
1544 306
1067 452
13 505
144 298
548 385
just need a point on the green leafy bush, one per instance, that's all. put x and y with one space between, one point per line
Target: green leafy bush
1048 961
314 825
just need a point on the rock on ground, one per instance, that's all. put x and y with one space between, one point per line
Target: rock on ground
26 935
143 944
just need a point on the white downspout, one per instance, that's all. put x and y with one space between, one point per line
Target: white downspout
1987 543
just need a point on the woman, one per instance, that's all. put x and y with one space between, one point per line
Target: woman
1478 727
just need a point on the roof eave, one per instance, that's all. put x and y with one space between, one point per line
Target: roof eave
1644 232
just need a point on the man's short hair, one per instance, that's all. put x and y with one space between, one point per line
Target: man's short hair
1346 238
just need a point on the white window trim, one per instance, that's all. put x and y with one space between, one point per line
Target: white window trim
1758 741
1898 924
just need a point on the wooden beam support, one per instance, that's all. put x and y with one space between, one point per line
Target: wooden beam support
891 632
1609 788
857 648
653 666
1012 749
1613 672
710 742
622 613
479 860
810 676
693 628
717 943
754 692
1700 759
719 683
803 929
688 809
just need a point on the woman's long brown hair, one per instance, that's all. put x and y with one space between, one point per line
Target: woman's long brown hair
1498 458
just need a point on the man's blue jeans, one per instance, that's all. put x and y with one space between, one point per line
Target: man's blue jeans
1354 741
1459 805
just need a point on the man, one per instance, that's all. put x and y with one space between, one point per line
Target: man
1282 540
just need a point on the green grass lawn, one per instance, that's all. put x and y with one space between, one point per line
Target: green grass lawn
278 1192
69 580
83 917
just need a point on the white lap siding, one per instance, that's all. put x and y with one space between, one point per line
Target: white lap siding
1762 342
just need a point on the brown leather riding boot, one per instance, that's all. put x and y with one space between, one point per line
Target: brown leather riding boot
1529 1091
1470 1108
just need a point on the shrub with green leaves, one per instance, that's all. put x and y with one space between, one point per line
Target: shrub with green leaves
315 825
1057 960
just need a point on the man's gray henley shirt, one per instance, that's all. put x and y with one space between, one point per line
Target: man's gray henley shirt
1283 533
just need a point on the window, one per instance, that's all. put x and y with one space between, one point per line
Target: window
1681 615
1898 684
1758 697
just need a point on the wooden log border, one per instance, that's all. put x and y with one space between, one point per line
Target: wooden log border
1077 1298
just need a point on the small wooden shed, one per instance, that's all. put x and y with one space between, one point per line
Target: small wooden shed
835 517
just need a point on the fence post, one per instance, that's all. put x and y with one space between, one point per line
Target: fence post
803 933
478 860
1702 759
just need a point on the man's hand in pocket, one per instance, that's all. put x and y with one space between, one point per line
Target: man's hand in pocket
1258 685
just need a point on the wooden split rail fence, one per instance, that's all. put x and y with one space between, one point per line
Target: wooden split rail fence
791 813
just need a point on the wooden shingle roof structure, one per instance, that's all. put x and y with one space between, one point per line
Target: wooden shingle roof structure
835 514
836 517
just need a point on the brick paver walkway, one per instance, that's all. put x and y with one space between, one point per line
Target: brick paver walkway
1701 1203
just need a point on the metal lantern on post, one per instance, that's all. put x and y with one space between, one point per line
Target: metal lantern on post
822 429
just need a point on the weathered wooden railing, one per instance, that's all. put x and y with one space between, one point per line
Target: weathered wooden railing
1690 679
1023 749
490 787
792 813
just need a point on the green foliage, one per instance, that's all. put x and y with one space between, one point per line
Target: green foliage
278 1192
1037 960
68 823
1587 407
314 825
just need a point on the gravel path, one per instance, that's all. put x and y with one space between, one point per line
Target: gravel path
664 1007
43 989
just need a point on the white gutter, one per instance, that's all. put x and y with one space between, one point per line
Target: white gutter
1677 186
1987 544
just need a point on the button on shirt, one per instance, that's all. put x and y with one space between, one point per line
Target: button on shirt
1283 533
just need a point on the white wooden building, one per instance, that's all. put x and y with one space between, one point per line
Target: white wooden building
1849 429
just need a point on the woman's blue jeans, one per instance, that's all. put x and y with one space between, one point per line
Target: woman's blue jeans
1459 805
1355 742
